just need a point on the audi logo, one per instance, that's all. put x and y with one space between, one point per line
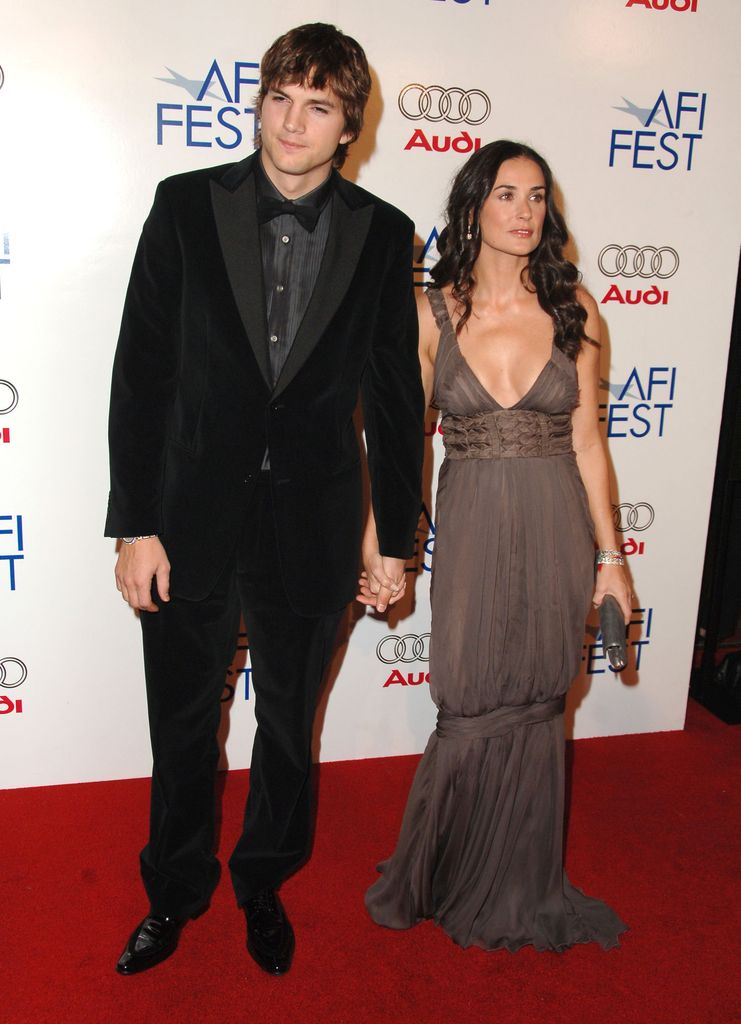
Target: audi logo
2 78
633 517
5 385
434 103
407 648
13 677
636 261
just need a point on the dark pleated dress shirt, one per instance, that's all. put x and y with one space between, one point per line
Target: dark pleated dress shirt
291 257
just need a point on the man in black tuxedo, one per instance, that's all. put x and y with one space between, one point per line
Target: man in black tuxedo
265 297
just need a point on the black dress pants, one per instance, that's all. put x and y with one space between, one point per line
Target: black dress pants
188 646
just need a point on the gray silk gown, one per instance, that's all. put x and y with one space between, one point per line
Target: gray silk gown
481 845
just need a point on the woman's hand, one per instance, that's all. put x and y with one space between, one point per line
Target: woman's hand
365 595
611 579
383 582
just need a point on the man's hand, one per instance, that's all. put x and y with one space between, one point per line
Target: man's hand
384 581
137 565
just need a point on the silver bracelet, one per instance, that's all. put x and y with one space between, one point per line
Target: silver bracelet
133 540
605 556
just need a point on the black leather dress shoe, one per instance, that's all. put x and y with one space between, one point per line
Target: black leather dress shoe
270 940
150 943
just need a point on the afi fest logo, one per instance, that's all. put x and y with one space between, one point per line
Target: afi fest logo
13 673
219 112
404 650
11 547
8 402
426 260
633 519
424 537
639 408
665 5
638 637
239 667
671 127
640 264
444 105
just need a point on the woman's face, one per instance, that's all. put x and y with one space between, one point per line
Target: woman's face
512 216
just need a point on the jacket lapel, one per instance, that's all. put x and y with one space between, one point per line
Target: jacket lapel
235 212
347 234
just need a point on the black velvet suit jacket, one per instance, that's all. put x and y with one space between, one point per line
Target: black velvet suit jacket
192 410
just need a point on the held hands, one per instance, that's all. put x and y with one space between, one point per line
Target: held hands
137 565
383 582
611 579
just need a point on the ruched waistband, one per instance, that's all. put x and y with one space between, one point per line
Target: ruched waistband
506 434
498 722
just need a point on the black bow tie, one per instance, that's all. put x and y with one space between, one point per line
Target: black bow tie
270 206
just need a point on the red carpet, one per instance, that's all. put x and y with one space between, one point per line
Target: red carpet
654 829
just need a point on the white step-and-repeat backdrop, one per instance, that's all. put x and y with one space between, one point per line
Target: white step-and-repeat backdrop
634 103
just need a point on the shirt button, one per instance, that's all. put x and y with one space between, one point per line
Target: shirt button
279 287
273 338
285 239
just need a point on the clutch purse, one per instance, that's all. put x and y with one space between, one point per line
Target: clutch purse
612 627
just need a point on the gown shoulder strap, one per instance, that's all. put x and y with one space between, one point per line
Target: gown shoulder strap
438 306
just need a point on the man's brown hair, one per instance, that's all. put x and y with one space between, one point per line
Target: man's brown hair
319 56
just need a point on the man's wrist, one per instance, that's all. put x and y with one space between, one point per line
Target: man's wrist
133 540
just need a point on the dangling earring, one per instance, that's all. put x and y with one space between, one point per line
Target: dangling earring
469 235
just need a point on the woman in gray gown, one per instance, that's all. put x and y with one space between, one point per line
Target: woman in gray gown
509 349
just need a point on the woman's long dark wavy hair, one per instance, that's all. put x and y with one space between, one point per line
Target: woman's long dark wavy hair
548 273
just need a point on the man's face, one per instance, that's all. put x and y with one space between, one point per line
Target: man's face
301 128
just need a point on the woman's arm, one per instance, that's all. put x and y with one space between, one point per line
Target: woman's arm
592 461
374 583
429 336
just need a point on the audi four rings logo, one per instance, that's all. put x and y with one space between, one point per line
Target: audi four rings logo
637 261
407 648
8 397
12 677
633 517
434 103
2 78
